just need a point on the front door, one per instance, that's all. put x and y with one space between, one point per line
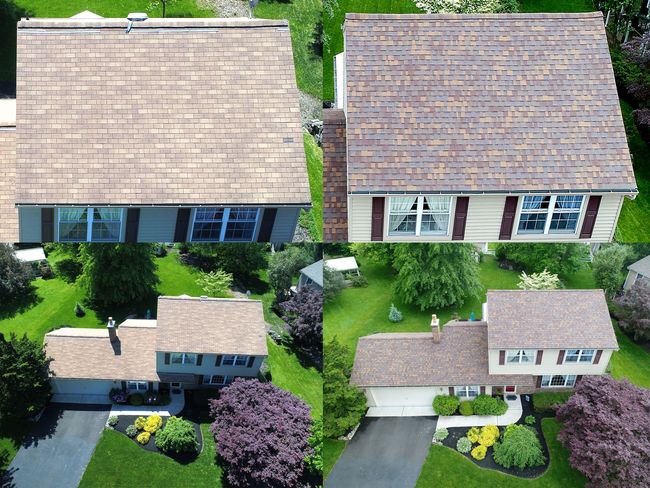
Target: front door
510 389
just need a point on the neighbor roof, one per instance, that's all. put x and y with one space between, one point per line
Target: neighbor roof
211 325
89 354
413 359
642 266
558 319
8 211
482 103
314 272
178 111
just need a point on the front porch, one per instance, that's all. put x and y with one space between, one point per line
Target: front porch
173 408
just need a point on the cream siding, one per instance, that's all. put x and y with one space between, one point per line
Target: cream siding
549 365
284 226
207 366
484 216
157 224
29 219
360 218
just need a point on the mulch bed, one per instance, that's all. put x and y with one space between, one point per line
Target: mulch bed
126 420
456 433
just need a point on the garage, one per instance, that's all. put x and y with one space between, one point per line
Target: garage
62 387
403 401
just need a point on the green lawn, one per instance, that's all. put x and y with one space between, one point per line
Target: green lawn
315 171
118 462
446 467
176 278
332 449
556 6
631 361
303 15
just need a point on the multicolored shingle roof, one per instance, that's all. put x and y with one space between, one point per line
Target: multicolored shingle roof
335 198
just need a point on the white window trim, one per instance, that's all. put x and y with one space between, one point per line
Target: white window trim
226 379
137 385
89 224
418 217
224 225
235 358
465 389
580 354
566 378
509 356
184 356
549 215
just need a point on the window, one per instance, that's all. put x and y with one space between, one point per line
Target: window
100 224
579 356
225 224
549 214
183 358
421 215
136 385
216 379
234 360
558 381
466 391
521 356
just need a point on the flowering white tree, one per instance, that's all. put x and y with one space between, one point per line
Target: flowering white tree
539 281
466 6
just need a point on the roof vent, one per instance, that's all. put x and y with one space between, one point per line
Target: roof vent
135 17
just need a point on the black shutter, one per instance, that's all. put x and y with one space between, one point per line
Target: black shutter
182 224
508 219
539 382
502 358
132 224
251 361
599 353
540 353
167 358
266 227
560 357
482 390
460 218
150 386
590 216
451 391
47 224
199 359
217 362
199 379
123 385
377 225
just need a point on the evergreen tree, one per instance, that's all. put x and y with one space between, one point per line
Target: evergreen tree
608 268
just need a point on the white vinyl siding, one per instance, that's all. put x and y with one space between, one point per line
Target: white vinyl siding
548 365
157 224
359 218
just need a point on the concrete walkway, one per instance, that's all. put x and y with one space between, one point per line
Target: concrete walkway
174 408
513 414
400 412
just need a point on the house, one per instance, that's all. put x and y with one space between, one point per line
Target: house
639 271
156 130
193 343
527 341
476 128
311 275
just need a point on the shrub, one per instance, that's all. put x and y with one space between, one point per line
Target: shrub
136 399
333 283
45 271
153 424
118 395
472 434
488 436
636 307
262 434
441 434
68 269
479 453
16 275
394 315
465 408
131 431
446 404
178 436
143 437
314 461
530 420
79 311
520 447
488 405
215 283
140 423
463 445
358 281
303 314
113 420
545 403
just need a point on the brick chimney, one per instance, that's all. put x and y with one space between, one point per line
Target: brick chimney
435 328
112 330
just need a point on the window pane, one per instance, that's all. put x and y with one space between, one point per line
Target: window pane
564 221
587 355
109 214
513 356
527 356
241 224
190 358
228 360
73 232
536 202
546 380
557 380
572 356
570 380
403 204
177 358
208 214
106 224
403 223
131 385
568 202
532 223
435 223
241 360
436 204
206 231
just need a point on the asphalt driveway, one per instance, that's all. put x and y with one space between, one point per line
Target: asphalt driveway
386 452
57 451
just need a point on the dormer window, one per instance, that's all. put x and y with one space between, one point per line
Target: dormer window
521 356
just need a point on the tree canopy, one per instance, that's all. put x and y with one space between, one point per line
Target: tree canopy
15 276
303 314
283 266
608 268
636 310
559 259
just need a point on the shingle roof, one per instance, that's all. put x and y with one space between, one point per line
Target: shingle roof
558 319
413 359
335 198
211 325
178 111
482 103
8 211
642 266
89 354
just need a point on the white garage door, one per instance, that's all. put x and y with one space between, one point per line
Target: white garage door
81 387
406 396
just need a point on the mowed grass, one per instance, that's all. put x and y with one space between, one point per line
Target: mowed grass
532 6
118 462
315 172
303 16
631 361
446 467
332 26
332 450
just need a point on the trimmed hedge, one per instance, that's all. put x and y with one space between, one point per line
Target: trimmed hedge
446 404
466 408
488 405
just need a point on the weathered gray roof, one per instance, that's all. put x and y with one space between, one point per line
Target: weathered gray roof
642 266
413 359
558 319
314 272
178 111
495 103
211 325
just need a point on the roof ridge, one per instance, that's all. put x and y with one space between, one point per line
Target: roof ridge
211 299
461 17
151 23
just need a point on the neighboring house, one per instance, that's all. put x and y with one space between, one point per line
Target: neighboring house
527 341
194 343
311 275
30 255
470 128
639 271
346 265
178 130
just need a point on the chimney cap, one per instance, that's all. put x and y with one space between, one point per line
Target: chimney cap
137 16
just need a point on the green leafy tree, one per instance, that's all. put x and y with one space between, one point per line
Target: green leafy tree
608 265
344 404
283 266
314 461
376 252
539 281
466 6
559 259
24 377
15 276
178 436
520 447
435 275
333 283
117 274
215 283
241 260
